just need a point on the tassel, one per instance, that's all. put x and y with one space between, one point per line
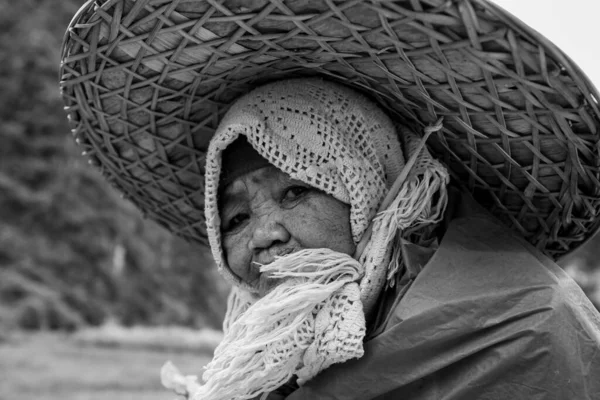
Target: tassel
408 210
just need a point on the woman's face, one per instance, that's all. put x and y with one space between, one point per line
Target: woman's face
265 213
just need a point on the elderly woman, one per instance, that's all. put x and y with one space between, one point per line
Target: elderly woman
329 157
452 308
359 270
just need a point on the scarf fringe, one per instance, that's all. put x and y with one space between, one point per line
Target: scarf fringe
265 346
421 202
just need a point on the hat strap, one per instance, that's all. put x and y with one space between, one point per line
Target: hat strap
398 183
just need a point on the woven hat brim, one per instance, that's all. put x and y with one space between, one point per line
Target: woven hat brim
145 84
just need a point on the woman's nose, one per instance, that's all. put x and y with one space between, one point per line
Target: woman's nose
268 232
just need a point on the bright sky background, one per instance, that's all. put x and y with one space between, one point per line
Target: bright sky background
571 24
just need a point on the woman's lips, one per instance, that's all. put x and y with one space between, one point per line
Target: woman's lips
265 282
268 256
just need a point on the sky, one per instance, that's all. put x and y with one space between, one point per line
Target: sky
571 24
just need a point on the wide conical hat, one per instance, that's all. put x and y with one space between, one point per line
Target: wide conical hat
146 82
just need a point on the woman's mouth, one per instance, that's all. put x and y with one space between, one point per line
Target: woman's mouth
266 282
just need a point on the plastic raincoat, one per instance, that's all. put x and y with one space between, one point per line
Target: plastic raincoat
485 316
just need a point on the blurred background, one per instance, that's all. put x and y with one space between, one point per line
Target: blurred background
93 298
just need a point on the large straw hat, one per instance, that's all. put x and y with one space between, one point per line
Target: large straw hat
146 82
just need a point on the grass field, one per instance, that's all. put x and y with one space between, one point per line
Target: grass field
55 367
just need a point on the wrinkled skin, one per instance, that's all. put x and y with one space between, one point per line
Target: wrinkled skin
265 214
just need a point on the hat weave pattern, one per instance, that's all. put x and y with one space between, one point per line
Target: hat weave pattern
146 83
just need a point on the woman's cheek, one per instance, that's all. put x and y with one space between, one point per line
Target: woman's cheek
237 254
324 222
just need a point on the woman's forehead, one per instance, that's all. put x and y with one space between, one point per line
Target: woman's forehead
263 179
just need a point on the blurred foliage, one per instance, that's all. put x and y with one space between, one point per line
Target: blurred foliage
72 252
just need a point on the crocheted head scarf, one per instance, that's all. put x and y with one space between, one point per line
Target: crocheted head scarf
334 139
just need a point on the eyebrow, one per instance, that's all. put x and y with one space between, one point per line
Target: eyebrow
228 194
228 201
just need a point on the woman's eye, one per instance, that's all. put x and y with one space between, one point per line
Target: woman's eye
234 222
294 192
